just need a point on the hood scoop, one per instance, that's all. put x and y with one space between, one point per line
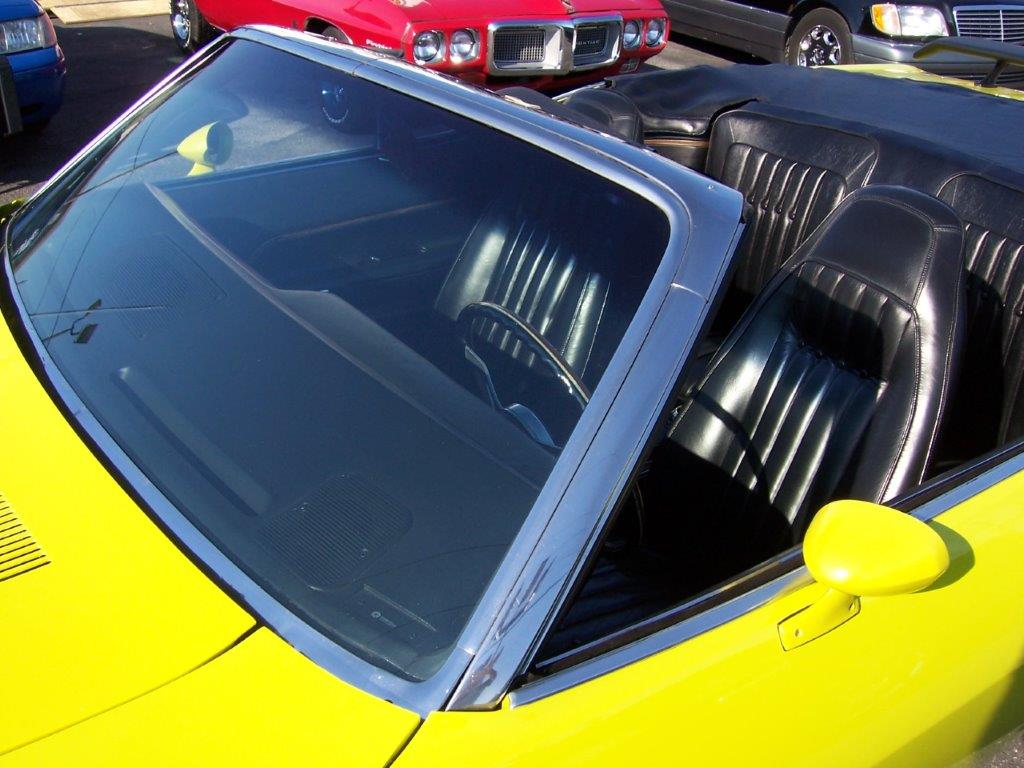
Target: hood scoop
19 551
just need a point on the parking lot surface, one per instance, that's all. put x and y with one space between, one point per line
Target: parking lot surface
110 65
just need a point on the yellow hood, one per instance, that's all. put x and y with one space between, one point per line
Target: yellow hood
260 704
103 618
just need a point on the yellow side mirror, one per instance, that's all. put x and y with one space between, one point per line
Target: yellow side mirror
207 147
870 550
859 549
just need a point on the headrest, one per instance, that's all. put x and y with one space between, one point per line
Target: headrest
903 242
797 137
603 110
610 108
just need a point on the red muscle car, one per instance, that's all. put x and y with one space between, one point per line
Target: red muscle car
540 43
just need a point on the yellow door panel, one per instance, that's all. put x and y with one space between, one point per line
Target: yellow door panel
912 680
259 704
116 610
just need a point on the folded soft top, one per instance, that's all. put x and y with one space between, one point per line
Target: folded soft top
687 101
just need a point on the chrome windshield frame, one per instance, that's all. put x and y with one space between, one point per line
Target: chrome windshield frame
704 219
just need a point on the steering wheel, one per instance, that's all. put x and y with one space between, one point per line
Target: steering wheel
531 339
539 346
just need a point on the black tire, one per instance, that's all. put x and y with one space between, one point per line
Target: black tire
189 28
335 34
820 38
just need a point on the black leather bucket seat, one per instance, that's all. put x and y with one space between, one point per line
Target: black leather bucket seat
831 386
519 257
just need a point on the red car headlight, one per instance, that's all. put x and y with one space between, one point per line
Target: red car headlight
655 32
465 45
632 35
428 47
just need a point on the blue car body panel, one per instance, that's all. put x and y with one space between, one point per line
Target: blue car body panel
17 9
38 74
39 82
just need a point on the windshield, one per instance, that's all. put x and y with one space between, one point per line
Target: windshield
345 332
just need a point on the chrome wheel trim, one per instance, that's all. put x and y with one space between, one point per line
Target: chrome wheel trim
181 20
819 47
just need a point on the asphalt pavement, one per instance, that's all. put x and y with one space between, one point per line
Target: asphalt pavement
110 65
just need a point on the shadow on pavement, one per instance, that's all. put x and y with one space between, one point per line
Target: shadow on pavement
685 51
109 68
1002 743
713 50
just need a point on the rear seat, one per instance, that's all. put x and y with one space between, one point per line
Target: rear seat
988 409
793 171
792 174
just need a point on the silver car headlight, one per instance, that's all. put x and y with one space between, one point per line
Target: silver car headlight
27 34
908 20
465 46
655 32
428 47
632 35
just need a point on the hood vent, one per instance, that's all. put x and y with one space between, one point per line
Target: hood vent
19 552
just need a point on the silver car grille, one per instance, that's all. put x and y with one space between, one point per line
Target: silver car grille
555 47
518 45
592 41
992 22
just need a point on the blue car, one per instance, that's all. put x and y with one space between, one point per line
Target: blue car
32 67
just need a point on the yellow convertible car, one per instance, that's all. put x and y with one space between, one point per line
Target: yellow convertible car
353 416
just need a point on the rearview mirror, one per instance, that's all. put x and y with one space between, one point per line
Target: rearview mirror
207 147
859 549
866 549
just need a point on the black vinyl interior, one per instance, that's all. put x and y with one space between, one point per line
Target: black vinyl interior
989 407
871 330
792 175
796 149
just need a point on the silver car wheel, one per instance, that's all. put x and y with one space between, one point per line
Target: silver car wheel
181 20
820 46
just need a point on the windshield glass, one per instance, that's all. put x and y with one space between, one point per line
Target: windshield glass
345 332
